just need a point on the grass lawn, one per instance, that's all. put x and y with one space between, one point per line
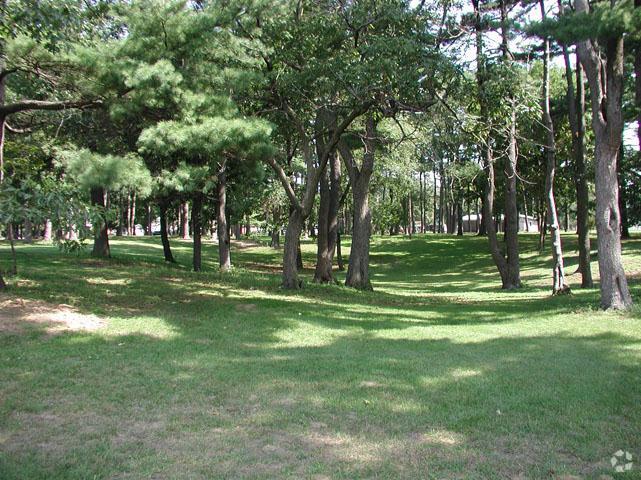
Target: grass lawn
437 374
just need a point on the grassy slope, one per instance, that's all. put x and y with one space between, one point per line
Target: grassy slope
437 374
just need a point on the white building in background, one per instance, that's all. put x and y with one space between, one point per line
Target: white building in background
526 224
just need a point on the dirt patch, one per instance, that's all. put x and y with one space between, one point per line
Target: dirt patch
17 314
243 244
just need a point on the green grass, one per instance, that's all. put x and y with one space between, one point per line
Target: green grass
436 374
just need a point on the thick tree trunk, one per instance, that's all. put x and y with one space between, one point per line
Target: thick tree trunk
224 253
358 268
604 70
291 250
328 220
275 238
101 233
196 226
164 236
184 214
558 271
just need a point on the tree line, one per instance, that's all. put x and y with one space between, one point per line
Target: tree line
328 117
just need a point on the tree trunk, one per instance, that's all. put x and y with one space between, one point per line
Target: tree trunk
323 272
101 232
459 218
48 230
184 214
275 238
434 198
358 268
132 215
604 70
511 211
558 271
149 219
328 220
164 236
224 253
196 226
291 250
28 231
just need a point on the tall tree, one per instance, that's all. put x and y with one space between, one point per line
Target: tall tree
559 284
602 60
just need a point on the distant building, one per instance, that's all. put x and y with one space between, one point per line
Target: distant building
526 224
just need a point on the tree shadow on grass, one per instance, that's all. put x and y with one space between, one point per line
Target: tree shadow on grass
355 406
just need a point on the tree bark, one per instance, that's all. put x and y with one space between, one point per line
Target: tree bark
164 236
224 252
196 226
101 233
604 70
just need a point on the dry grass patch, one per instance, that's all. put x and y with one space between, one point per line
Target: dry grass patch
17 315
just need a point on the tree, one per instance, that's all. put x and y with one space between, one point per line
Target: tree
558 270
101 174
602 60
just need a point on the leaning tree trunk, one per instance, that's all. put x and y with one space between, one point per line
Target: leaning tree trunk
224 254
558 271
196 226
101 242
291 250
164 236
603 65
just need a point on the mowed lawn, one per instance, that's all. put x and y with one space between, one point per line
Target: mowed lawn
436 374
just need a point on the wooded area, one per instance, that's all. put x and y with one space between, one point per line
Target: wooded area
322 118
318 239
